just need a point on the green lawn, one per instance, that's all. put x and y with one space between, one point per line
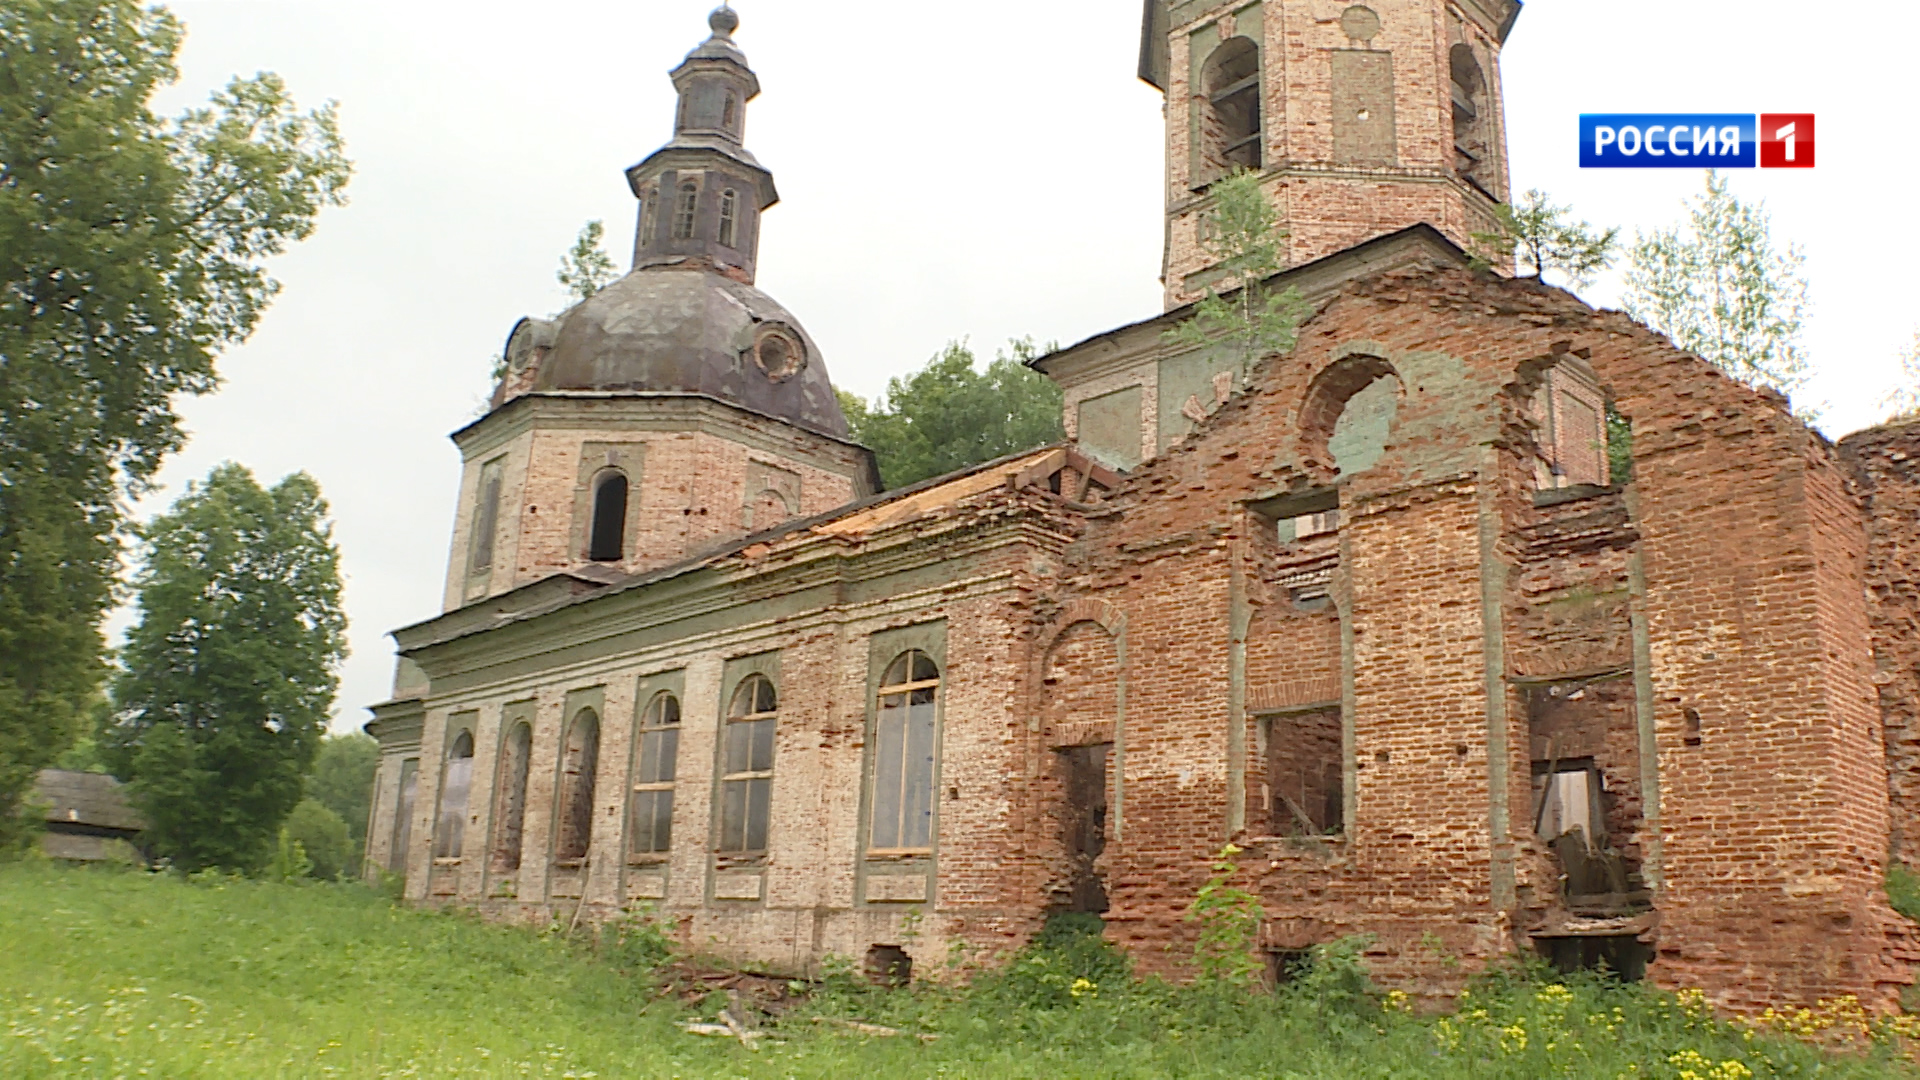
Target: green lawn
116 973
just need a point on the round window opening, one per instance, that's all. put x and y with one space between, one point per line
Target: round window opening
779 353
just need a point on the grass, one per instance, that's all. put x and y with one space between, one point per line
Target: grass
111 974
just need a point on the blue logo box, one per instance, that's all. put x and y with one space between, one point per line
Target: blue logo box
1667 140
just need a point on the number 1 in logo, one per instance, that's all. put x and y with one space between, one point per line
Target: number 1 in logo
1786 140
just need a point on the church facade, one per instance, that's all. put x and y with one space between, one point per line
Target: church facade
1480 622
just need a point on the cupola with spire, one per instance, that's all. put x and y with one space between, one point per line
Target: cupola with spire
701 194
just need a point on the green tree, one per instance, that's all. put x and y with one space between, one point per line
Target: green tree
131 252
230 673
950 414
1241 232
1539 236
323 837
1903 401
1720 289
586 268
342 780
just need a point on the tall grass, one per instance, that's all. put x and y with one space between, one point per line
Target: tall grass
126 974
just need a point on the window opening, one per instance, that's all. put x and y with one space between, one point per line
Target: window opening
457 782
651 824
581 759
403 815
513 797
1470 144
746 769
728 201
607 541
726 113
1624 955
889 965
1084 771
1306 791
903 754
1233 104
683 213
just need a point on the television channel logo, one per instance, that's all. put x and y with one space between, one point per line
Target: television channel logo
1696 140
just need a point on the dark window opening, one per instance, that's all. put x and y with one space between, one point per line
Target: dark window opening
513 798
1305 784
726 113
688 201
579 763
1286 965
1622 955
889 965
1692 717
607 542
1084 772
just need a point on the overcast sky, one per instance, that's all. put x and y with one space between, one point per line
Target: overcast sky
981 170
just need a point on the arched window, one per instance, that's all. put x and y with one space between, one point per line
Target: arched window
607 539
684 206
1232 117
515 757
456 782
1470 123
728 202
746 766
903 754
581 758
650 828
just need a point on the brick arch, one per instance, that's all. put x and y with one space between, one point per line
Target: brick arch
1327 396
1110 618
1081 681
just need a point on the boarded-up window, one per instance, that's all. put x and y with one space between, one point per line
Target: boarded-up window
746 766
650 827
456 783
403 815
578 764
1363 132
515 757
903 754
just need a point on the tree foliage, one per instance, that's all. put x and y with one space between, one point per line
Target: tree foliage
230 673
1903 401
950 414
1242 234
1540 236
1720 289
131 252
322 837
342 779
586 268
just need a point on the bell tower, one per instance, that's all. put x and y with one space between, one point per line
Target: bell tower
1361 118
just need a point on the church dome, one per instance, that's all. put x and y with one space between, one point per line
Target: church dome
687 329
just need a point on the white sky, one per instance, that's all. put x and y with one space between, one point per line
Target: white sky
985 170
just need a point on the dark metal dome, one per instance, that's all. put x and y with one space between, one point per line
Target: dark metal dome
684 328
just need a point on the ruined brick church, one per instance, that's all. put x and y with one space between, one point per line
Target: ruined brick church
1482 621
